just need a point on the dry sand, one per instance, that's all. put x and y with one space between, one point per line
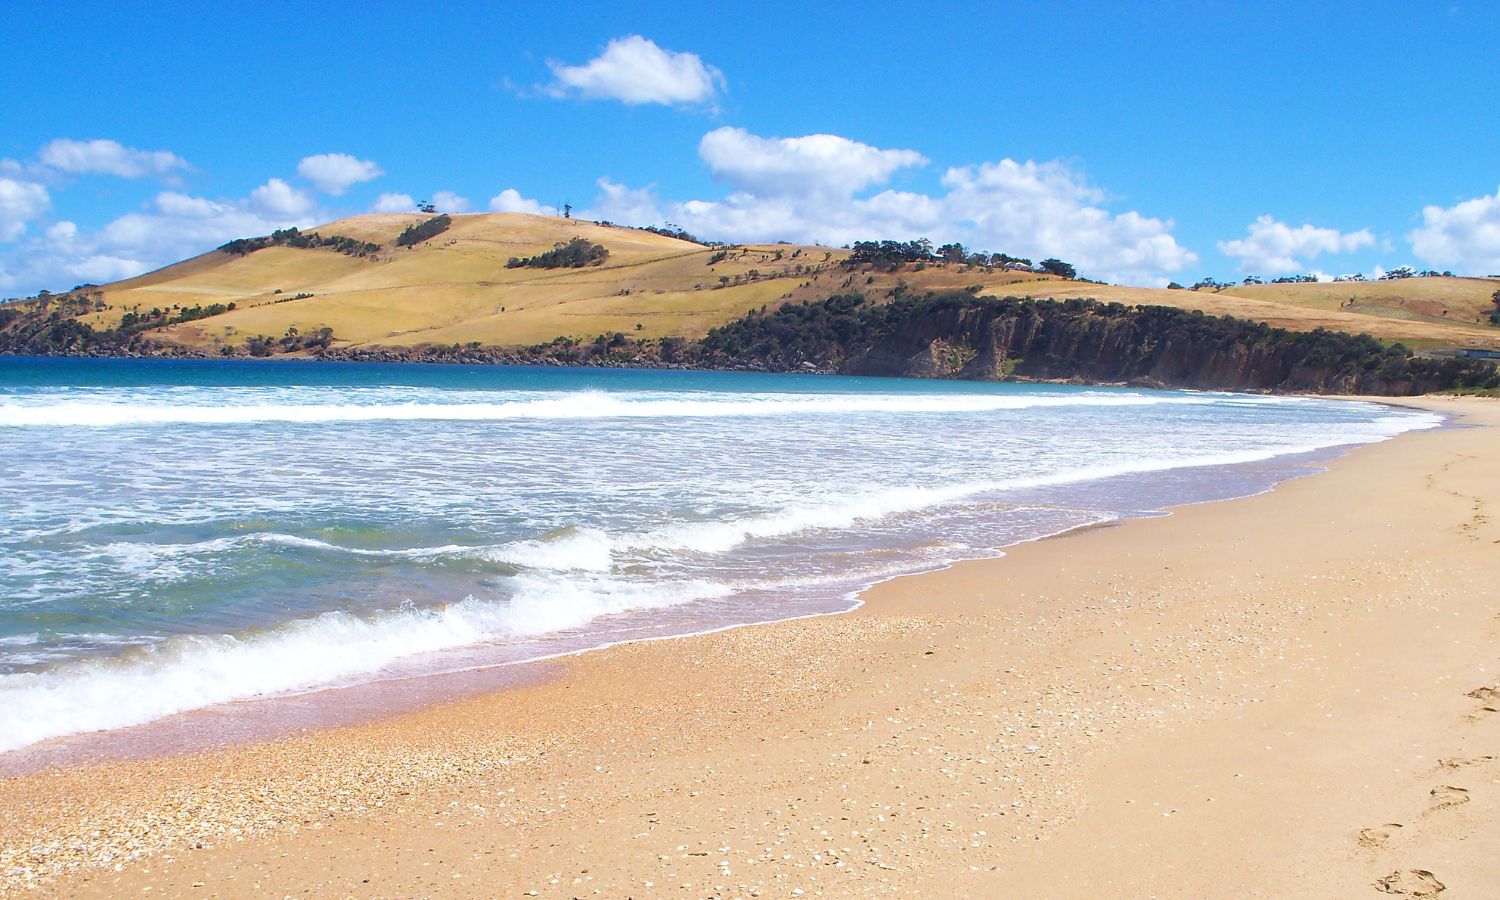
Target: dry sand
1286 695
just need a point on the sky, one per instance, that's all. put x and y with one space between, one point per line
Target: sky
1143 142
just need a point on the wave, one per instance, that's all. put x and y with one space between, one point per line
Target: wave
565 579
574 405
192 672
588 549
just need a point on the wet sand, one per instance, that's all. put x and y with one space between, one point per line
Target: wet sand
1291 694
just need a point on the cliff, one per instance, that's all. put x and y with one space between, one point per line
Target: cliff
963 336
953 335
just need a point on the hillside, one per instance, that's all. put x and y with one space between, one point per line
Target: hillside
456 288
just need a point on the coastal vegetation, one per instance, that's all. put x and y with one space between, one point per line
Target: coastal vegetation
960 335
293 237
423 231
156 317
574 254
655 291
891 256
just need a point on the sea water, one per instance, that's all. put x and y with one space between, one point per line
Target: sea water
179 535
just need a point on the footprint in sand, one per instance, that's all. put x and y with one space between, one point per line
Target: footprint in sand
1489 696
1447 795
1411 883
1379 835
1462 762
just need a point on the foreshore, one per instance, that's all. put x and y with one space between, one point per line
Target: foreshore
1291 694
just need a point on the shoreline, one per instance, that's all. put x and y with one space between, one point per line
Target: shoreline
379 358
655 755
253 720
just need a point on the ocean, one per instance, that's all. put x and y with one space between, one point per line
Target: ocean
179 535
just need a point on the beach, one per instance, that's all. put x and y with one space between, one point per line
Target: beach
1290 694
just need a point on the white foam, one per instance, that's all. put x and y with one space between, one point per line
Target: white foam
566 580
583 549
720 537
186 673
233 410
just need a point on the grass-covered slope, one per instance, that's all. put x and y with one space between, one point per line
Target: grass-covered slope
458 286
401 282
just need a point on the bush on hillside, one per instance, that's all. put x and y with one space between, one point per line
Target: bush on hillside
423 231
293 237
575 254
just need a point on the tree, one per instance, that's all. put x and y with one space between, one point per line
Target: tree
573 255
954 252
415 234
1059 268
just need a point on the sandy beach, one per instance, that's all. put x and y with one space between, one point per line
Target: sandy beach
1292 694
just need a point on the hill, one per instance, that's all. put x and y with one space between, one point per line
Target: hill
358 285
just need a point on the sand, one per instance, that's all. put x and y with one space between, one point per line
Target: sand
1291 694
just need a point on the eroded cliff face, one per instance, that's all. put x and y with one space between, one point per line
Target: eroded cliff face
941 336
1099 344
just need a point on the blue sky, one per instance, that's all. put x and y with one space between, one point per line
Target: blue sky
1144 142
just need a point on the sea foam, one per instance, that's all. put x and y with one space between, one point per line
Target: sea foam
567 582
238 409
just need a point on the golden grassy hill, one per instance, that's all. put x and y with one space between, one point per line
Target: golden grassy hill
456 288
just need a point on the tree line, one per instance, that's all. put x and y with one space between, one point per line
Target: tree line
574 254
294 237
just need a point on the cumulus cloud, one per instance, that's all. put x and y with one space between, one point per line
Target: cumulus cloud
278 199
816 163
625 205
20 203
449 202
1465 236
1048 209
394 203
104 157
811 189
635 70
173 227
510 200
1275 248
335 173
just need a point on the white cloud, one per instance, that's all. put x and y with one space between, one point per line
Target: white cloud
104 157
1465 236
817 163
20 203
172 203
174 227
449 202
1272 247
635 70
278 199
394 203
808 190
510 200
627 206
1048 209
62 232
335 173
102 269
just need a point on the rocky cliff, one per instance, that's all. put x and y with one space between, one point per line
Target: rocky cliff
962 336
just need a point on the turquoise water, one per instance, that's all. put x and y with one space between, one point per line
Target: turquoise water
182 534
